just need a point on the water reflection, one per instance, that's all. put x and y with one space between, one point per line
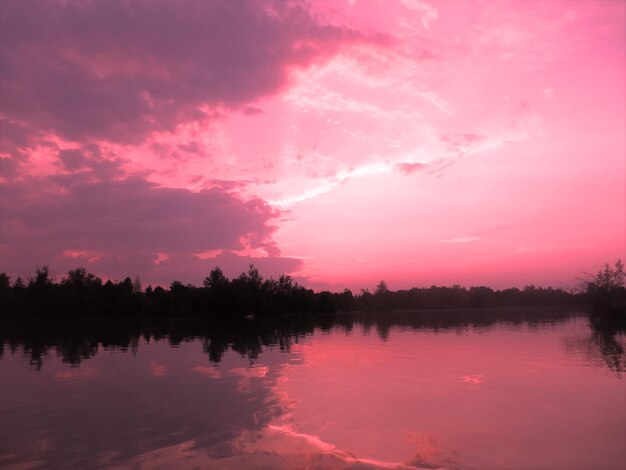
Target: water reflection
604 344
114 408
483 389
79 339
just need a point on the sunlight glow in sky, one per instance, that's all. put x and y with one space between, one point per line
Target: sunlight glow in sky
342 142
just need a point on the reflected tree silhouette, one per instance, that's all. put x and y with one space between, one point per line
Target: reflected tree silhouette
78 339
609 335
604 344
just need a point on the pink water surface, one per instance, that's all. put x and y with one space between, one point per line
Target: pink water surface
501 396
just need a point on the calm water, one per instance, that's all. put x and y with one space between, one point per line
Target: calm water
448 391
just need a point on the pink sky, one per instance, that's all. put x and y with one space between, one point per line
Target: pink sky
342 142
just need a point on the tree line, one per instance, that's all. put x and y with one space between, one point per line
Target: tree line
82 293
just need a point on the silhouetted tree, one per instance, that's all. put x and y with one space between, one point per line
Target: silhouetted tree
605 289
215 279
5 281
79 279
19 283
324 302
6 296
126 286
381 288
42 278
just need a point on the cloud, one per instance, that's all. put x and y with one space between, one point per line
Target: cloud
325 185
97 95
117 226
8 167
429 13
409 168
14 137
436 100
101 215
252 110
73 159
467 239
461 142
118 70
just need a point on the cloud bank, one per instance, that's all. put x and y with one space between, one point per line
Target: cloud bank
81 81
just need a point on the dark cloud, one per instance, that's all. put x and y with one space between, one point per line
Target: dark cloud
120 69
123 220
252 110
90 160
73 159
8 167
15 138
111 72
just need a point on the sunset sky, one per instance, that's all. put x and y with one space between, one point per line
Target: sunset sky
342 142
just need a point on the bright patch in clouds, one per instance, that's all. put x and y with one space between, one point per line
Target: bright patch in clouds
442 142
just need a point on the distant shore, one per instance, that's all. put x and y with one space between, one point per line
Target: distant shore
83 294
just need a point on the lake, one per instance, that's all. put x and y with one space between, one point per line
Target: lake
458 390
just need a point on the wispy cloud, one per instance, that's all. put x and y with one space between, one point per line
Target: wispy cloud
429 13
466 239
